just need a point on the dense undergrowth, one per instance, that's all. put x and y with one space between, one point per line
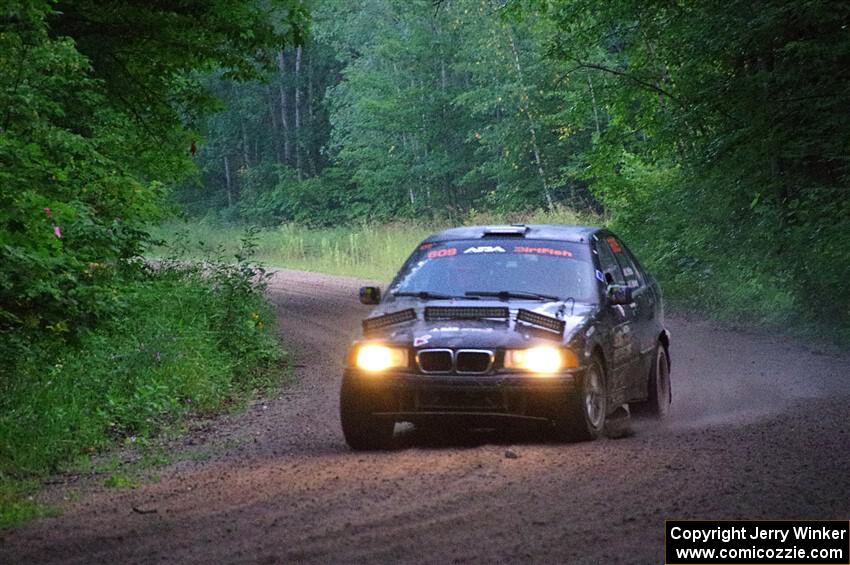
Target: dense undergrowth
697 276
182 339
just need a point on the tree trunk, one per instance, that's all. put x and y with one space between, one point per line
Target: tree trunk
532 128
245 160
424 128
450 186
275 129
227 182
312 155
595 109
284 121
443 77
298 111
404 145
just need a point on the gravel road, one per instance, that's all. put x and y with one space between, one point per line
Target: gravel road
758 428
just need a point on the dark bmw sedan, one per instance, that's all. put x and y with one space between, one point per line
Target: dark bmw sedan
550 324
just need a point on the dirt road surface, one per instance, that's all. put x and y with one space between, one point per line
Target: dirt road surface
759 428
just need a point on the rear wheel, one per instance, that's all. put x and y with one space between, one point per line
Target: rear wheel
362 430
659 391
582 417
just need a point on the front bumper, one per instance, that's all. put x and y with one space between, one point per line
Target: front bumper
414 397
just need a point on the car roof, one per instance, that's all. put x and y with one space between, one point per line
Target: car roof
557 232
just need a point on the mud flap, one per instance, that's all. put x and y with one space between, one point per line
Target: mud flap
618 424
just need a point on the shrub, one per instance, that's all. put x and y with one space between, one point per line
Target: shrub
182 338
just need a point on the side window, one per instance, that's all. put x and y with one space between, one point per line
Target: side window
630 270
609 265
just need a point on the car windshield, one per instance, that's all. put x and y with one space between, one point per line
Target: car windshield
499 268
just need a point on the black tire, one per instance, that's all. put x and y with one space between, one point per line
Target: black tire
659 392
362 430
582 417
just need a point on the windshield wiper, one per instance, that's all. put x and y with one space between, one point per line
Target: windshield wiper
508 294
428 295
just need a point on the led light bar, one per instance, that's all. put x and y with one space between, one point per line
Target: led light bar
464 313
545 322
378 322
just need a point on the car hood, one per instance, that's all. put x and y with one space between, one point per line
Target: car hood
488 333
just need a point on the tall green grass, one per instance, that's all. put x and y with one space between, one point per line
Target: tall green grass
172 353
184 339
371 252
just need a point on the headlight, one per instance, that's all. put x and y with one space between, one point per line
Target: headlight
540 359
380 357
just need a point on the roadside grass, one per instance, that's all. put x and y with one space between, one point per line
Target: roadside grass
18 506
366 251
119 481
189 342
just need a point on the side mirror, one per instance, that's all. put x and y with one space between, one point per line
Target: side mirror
370 295
618 294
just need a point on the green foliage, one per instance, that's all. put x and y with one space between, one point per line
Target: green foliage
146 57
407 110
119 481
447 111
68 213
99 106
724 155
184 339
272 194
97 110
18 507
261 135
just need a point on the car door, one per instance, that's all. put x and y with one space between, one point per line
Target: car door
644 311
621 321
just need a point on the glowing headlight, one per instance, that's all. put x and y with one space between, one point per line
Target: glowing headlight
380 357
540 359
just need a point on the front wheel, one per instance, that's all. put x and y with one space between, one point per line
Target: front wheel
657 404
582 417
362 430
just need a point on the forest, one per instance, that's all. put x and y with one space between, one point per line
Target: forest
712 135
715 137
